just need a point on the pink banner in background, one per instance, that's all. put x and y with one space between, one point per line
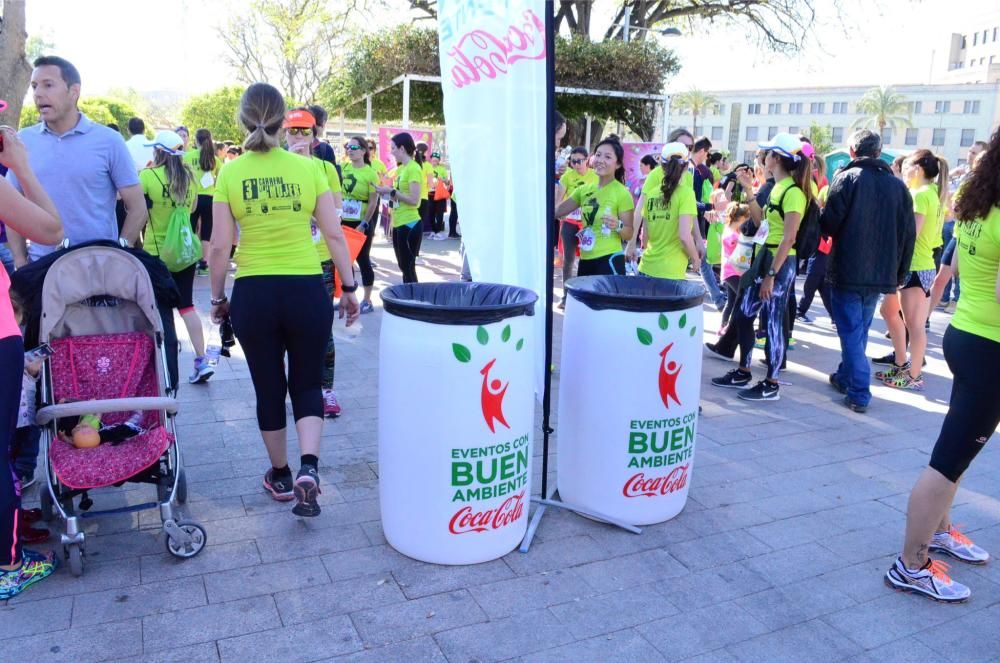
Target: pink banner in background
633 153
385 135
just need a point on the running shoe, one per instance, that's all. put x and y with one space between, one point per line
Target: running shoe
931 580
804 318
903 380
35 566
892 371
279 486
713 350
306 492
734 379
762 391
331 407
959 546
760 343
887 360
792 343
202 371
31 535
367 307
202 268
835 383
854 407
943 304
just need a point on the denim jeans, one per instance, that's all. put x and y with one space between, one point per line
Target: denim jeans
25 449
947 234
712 283
7 259
853 313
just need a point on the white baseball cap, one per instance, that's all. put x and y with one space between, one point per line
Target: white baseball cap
168 141
784 144
671 150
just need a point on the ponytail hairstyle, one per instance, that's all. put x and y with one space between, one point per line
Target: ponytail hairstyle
801 171
179 175
206 149
363 142
619 151
262 112
420 153
736 213
673 169
934 168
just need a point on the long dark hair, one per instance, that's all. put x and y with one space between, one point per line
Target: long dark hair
206 149
179 175
405 141
933 167
673 170
981 191
363 142
801 172
619 151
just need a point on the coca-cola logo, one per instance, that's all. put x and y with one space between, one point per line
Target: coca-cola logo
640 486
466 520
481 54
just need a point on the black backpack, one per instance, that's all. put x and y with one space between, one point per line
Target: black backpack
807 238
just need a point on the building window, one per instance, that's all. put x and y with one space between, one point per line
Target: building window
751 133
753 109
749 156
837 135
975 38
774 109
968 137
942 107
887 135
916 107
994 34
817 108
971 107
840 107
937 139
793 130
772 132
911 137
963 42
795 108
717 109
716 133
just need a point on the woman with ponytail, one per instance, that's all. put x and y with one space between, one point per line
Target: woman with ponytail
205 165
670 216
772 284
927 179
607 211
170 184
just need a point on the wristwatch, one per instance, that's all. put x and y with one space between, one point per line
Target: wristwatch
219 301
349 288
771 272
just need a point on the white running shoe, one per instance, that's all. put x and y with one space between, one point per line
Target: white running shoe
931 581
959 546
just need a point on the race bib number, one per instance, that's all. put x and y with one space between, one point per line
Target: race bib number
575 215
207 180
762 233
352 210
586 237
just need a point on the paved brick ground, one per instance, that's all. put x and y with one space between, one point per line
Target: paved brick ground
795 511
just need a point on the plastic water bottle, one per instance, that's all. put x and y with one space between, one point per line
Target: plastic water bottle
604 229
212 353
341 332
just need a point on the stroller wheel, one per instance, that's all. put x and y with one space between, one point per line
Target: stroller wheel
182 549
74 555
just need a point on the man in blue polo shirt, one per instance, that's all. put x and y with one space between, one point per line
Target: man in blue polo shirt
82 165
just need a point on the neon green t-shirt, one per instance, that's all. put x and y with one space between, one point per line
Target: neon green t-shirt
155 186
572 180
428 170
926 202
653 185
359 185
978 255
664 256
793 201
329 173
272 196
204 181
379 167
716 174
713 243
406 214
595 201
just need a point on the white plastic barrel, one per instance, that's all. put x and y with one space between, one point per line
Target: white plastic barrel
456 415
629 386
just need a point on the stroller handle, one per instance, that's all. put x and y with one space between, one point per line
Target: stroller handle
78 408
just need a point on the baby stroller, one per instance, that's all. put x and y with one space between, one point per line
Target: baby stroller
109 359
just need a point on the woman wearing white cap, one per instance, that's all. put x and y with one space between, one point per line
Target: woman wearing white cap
169 184
768 294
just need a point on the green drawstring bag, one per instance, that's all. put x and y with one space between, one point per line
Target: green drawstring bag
180 248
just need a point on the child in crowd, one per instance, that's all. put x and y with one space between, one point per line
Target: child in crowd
732 266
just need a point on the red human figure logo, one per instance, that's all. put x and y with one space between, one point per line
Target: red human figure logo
491 398
669 372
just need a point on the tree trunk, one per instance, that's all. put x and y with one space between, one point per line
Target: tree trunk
694 122
576 132
17 71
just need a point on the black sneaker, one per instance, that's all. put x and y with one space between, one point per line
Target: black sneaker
306 492
734 379
279 486
836 385
714 352
854 407
762 391
804 318
887 360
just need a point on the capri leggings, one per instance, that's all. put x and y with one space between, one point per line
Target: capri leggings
364 258
406 245
275 315
605 265
330 358
974 410
185 285
11 367
203 213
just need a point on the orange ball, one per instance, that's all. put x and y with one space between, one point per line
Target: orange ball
85 437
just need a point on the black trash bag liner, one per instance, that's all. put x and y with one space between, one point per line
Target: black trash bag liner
458 303
638 294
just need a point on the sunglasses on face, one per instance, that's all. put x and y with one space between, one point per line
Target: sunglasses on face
576 162
354 148
298 131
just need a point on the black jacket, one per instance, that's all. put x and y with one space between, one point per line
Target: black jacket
869 214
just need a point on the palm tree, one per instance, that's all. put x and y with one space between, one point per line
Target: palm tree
881 107
697 102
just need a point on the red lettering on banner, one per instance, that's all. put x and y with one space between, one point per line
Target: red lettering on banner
479 53
638 485
465 520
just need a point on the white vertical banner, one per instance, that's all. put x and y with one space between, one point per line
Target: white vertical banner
493 80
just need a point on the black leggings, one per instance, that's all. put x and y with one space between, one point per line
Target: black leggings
437 213
275 315
11 369
406 244
203 213
364 258
732 287
426 211
605 265
974 410
453 219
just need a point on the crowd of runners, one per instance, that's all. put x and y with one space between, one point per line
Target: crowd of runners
272 206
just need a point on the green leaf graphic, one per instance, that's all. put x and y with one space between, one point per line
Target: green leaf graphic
520 344
461 352
693 330
482 336
683 321
644 336
505 334
664 323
